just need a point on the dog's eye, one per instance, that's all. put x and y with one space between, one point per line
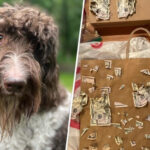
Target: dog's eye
1 37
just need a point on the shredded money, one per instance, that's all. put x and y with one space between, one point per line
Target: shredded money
145 71
85 66
122 87
130 119
118 140
139 124
100 111
110 77
120 105
78 104
106 147
108 64
141 95
126 8
95 69
84 130
106 90
148 118
128 130
147 136
88 79
133 143
145 148
124 121
92 136
117 125
93 147
100 8
117 72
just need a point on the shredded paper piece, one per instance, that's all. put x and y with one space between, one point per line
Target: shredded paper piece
92 136
141 95
100 8
120 105
126 8
78 104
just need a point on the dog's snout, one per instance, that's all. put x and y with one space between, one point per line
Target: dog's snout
14 85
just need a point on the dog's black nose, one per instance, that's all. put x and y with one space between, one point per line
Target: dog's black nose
14 86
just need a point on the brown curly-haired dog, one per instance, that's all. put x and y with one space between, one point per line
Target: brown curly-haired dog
33 106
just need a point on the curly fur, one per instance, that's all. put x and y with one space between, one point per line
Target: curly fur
31 40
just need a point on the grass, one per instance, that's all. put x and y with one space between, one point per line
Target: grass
66 80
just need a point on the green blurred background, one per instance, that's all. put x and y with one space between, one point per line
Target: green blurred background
67 15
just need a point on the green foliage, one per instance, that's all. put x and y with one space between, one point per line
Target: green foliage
66 80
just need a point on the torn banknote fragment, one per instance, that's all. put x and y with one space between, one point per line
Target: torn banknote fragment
101 8
94 69
126 8
145 71
141 95
84 130
108 64
88 79
100 111
92 136
105 90
78 104
117 71
118 140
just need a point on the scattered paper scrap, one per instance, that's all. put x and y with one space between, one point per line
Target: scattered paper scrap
145 71
106 90
122 87
128 130
109 77
92 136
95 69
133 143
139 124
100 8
88 79
137 116
85 66
148 118
126 8
124 121
129 119
117 125
118 140
84 130
108 64
117 72
141 95
120 105
93 147
145 148
147 136
106 147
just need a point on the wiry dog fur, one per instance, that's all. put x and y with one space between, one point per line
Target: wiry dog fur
35 118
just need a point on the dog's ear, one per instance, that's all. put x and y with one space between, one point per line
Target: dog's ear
45 35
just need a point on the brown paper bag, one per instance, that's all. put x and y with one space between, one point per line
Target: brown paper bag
119 103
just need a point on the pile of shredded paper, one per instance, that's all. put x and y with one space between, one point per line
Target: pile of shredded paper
126 8
100 8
